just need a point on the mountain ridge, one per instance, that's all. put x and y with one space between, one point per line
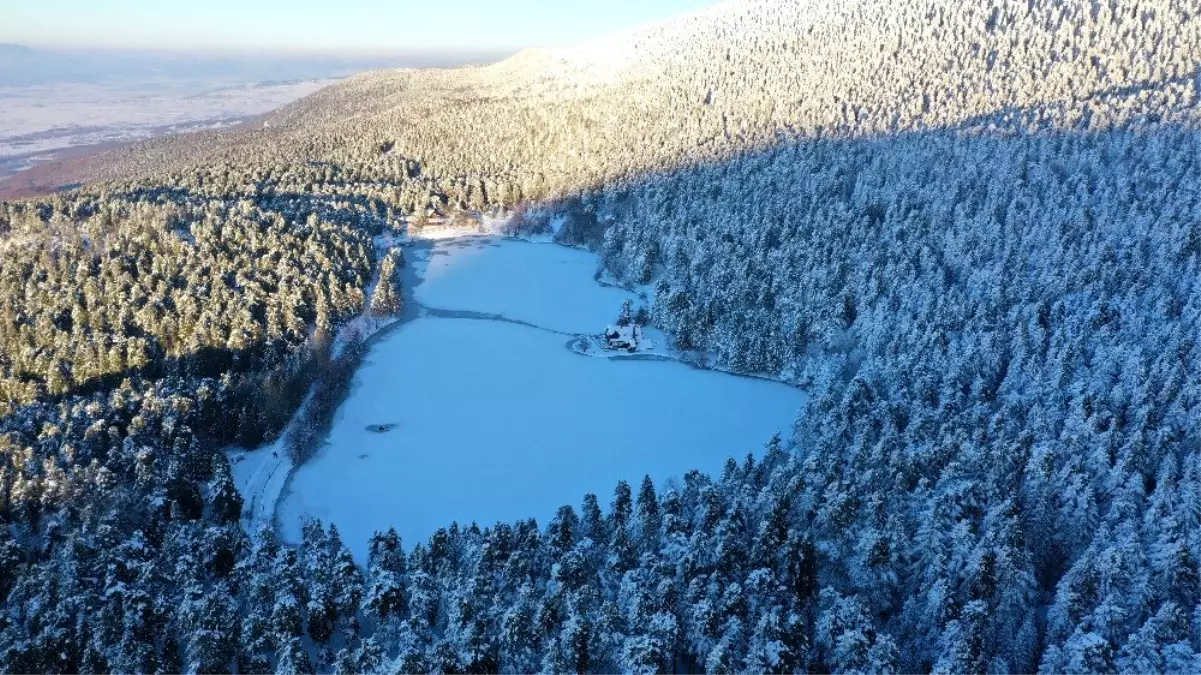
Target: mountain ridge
409 108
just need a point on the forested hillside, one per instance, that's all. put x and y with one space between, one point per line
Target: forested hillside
972 231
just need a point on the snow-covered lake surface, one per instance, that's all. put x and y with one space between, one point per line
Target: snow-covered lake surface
544 284
497 421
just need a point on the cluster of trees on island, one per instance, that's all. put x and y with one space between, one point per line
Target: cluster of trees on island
968 230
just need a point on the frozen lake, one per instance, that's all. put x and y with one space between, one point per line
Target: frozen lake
494 421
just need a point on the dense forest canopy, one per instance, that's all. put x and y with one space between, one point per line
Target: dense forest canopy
972 231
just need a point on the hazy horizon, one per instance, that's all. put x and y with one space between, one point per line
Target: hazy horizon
59 100
355 28
250 52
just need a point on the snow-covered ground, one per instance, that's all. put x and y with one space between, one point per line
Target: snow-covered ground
260 476
497 421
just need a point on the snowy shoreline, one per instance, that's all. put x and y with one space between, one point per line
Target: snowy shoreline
262 474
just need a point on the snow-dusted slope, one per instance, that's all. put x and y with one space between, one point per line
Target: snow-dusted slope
740 75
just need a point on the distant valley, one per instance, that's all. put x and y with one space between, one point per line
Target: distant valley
60 106
48 123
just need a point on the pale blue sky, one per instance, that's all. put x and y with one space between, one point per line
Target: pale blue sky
324 25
